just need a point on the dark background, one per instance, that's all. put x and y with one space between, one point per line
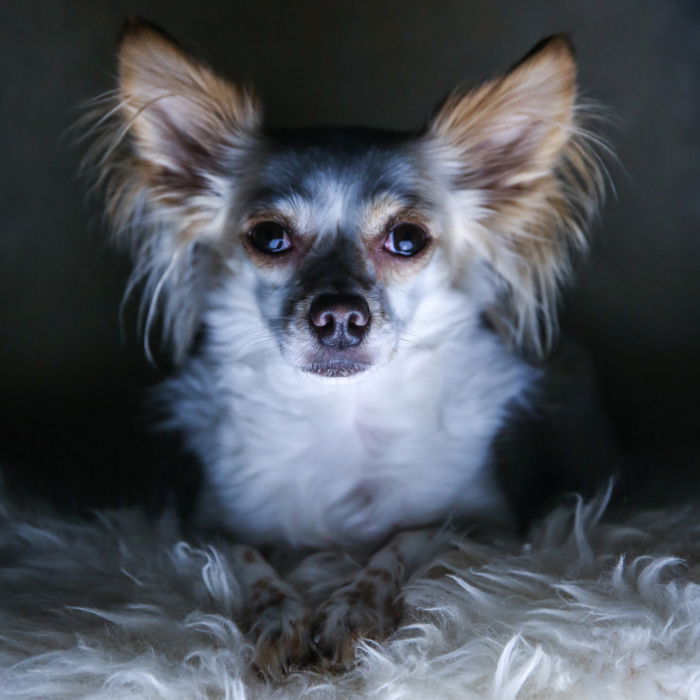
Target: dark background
72 422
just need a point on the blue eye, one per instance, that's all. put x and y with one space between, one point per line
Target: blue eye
270 237
406 240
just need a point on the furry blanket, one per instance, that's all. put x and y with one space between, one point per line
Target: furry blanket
120 607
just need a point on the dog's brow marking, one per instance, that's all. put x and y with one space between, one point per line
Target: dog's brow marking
322 208
377 212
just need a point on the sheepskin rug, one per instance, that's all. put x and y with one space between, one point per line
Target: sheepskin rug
589 606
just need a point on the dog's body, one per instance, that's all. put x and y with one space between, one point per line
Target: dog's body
298 460
360 300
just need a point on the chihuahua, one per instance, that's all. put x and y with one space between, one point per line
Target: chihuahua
350 311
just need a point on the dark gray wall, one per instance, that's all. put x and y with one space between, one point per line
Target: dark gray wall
383 63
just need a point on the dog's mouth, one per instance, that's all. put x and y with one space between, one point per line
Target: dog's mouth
336 368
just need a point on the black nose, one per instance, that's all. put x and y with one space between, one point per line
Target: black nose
339 320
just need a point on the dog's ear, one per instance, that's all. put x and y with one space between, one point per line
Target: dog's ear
515 144
509 132
184 119
175 143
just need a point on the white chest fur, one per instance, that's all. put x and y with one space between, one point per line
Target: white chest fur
291 457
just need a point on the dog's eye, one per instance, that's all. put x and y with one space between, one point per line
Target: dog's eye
270 237
406 239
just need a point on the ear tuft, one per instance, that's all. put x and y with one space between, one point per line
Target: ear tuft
517 144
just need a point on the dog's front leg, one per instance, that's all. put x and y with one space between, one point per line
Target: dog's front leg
276 616
370 605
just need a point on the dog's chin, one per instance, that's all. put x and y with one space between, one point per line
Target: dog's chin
336 368
337 364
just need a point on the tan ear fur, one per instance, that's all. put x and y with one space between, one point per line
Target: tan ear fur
174 140
517 143
511 130
178 109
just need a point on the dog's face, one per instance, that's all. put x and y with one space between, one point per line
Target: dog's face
337 225
341 234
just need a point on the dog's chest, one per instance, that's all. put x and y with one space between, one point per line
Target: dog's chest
348 463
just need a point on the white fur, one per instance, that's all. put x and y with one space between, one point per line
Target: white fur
122 608
312 462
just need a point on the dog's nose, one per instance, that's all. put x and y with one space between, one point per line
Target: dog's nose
339 320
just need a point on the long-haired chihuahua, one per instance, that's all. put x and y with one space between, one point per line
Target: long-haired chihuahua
350 310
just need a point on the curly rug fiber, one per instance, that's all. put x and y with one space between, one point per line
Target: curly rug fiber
121 608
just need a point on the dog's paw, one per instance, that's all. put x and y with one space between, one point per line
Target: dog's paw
366 608
278 622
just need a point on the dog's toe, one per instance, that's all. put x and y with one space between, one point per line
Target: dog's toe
279 623
360 610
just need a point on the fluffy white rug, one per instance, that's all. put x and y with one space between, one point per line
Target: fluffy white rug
122 608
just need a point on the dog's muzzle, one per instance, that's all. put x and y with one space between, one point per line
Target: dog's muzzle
339 323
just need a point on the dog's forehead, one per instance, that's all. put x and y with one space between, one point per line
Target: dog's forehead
324 177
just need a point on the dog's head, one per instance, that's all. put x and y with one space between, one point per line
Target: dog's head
348 238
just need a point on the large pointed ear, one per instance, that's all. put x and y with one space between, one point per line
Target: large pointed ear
185 120
517 147
175 143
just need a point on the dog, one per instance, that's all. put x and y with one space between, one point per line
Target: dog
354 314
